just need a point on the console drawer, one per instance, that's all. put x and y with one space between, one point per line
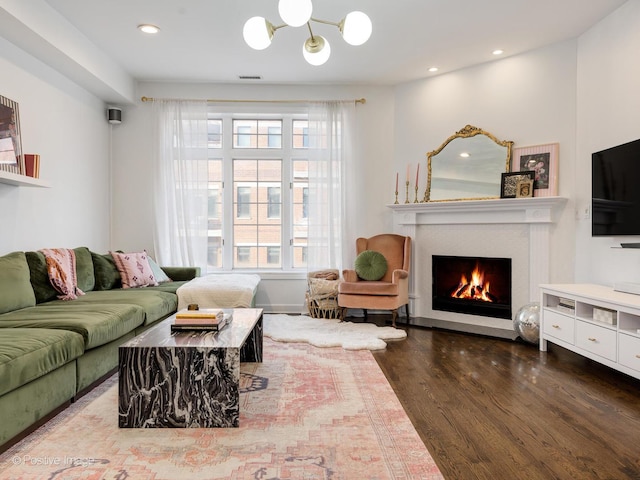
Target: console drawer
629 351
559 326
596 339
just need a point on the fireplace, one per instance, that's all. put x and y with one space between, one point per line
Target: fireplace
472 285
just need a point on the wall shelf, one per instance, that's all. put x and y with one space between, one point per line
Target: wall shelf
18 180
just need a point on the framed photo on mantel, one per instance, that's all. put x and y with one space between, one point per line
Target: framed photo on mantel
10 143
543 160
513 182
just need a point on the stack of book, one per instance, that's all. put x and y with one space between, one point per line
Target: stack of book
567 305
212 319
32 165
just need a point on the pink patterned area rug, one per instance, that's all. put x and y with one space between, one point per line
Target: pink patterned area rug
305 413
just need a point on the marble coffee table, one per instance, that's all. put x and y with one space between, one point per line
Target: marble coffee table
187 379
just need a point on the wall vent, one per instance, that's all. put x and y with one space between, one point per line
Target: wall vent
250 77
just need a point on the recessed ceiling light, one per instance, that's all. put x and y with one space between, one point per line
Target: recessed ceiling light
498 52
148 28
465 155
433 69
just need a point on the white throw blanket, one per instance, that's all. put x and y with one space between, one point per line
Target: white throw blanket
219 291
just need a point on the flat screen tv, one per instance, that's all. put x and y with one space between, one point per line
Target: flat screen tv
615 183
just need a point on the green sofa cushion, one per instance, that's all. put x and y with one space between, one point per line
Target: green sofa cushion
15 283
30 353
182 273
97 323
40 282
106 272
170 287
39 276
84 269
155 304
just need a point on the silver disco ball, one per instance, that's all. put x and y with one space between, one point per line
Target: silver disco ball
526 322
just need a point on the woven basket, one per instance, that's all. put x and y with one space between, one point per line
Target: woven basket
322 297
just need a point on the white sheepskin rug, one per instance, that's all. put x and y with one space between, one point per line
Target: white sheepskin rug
321 332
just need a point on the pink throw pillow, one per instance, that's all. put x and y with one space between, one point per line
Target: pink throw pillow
134 269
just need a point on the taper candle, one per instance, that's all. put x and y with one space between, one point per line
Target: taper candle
396 181
417 174
407 172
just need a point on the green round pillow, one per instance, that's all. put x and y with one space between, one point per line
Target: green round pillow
371 265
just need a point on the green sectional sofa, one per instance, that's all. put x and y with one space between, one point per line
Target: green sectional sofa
52 351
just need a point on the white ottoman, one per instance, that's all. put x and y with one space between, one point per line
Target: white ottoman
220 290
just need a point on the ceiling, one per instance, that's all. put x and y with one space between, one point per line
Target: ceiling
201 40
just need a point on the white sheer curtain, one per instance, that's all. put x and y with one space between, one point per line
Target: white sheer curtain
331 160
180 182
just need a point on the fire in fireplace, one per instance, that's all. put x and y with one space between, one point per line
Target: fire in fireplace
472 285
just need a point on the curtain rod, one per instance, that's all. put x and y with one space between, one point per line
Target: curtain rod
212 100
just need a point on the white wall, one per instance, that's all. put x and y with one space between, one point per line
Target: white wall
132 147
529 99
67 127
608 115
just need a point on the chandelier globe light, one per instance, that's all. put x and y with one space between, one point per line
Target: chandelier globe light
258 32
355 29
295 13
316 50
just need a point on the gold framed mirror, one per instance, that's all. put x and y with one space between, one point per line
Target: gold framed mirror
467 166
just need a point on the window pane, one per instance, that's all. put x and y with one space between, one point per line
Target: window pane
273 256
244 137
245 256
214 132
269 133
273 206
275 137
258 210
300 135
300 212
250 133
243 202
214 252
214 214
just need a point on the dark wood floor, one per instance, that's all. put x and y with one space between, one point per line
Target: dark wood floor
496 409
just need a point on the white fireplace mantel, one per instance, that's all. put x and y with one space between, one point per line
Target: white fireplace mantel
537 213
499 210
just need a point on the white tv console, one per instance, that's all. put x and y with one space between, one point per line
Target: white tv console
615 344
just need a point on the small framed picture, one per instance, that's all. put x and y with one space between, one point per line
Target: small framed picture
524 189
543 160
10 143
510 181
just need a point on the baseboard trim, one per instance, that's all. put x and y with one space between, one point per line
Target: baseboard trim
460 327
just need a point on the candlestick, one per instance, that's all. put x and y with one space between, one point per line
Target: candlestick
416 199
396 202
406 195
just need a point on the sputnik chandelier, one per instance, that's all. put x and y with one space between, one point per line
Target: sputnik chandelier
355 29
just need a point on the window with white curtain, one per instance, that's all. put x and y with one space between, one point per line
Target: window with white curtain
258 191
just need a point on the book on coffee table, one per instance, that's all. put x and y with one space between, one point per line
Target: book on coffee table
210 323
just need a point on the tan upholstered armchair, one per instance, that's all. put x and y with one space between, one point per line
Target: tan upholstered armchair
390 292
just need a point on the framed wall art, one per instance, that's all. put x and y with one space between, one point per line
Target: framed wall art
511 182
543 160
524 189
10 141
